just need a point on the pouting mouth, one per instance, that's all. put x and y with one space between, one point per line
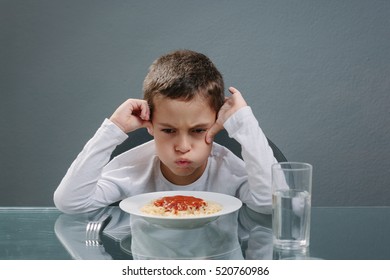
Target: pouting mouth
183 162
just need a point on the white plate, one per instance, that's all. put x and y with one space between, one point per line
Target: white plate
134 204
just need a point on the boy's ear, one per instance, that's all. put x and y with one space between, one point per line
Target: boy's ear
149 127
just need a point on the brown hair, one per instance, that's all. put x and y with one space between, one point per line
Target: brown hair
184 74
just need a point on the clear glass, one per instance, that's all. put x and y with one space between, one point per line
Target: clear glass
291 204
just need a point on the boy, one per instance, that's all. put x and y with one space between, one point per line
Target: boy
183 109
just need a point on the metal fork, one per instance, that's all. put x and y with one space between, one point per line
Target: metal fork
92 233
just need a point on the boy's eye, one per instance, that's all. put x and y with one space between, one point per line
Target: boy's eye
198 130
172 130
168 130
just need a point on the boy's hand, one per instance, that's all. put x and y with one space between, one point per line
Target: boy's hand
231 105
131 115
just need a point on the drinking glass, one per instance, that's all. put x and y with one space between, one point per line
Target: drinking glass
291 204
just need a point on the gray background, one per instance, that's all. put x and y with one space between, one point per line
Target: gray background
316 73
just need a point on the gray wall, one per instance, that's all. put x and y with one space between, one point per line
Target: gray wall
317 74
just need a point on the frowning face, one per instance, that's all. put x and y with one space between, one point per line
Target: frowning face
179 129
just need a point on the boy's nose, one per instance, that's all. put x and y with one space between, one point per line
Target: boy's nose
183 145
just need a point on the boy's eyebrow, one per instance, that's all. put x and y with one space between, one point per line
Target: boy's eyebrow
163 124
196 125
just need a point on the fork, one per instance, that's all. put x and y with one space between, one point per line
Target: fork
92 233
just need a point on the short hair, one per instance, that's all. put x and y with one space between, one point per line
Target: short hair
184 74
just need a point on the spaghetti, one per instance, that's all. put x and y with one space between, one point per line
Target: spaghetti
181 205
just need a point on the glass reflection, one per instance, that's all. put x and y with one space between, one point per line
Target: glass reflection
241 235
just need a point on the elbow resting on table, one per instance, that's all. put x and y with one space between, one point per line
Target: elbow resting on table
67 206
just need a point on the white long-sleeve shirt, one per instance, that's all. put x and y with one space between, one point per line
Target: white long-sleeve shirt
93 182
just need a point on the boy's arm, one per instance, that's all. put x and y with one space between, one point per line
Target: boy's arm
258 157
78 190
241 124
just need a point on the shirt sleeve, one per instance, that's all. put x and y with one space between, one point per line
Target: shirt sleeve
258 156
77 190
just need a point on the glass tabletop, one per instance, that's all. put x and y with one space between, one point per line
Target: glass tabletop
336 233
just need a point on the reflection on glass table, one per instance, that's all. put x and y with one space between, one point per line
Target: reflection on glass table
132 237
354 233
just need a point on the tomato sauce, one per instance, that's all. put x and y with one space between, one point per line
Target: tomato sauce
179 203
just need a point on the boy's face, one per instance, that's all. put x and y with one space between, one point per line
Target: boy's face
179 129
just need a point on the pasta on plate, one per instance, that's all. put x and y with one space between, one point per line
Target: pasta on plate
181 206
